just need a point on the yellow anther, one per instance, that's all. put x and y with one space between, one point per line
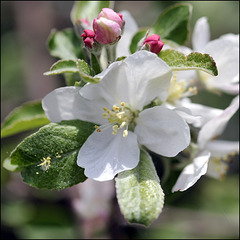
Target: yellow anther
125 133
114 107
119 117
115 127
45 163
105 115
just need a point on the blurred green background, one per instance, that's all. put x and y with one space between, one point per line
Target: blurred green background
210 209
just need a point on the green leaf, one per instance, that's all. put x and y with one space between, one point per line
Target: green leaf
49 156
87 10
139 193
62 66
65 44
194 61
26 117
10 167
173 23
85 71
136 39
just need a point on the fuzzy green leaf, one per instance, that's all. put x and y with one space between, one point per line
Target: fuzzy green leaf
139 193
62 66
85 71
26 117
49 156
194 61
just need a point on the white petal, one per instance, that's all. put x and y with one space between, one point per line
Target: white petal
192 172
216 126
162 131
201 34
225 52
130 28
104 155
206 113
221 148
62 104
187 115
66 103
229 88
137 80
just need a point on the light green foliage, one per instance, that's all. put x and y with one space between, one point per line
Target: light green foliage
49 156
26 117
64 44
194 61
87 10
85 71
172 24
139 193
62 66
78 69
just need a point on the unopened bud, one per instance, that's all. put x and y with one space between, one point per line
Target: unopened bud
88 37
108 26
153 43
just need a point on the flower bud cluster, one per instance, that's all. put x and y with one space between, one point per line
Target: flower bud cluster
107 28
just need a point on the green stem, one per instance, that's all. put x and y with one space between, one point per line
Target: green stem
111 53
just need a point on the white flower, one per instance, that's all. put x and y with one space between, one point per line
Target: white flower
208 149
116 104
224 51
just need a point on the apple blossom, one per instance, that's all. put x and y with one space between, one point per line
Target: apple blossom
210 150
116 106
224 51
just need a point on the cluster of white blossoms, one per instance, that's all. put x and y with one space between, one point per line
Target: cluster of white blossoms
120 106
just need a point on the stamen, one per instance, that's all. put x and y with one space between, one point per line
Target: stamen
45 163
178 89
118 118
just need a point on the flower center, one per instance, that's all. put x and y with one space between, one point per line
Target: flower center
119 117
178 89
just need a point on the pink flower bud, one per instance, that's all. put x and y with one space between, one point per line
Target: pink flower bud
154 43
88 37
108 26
